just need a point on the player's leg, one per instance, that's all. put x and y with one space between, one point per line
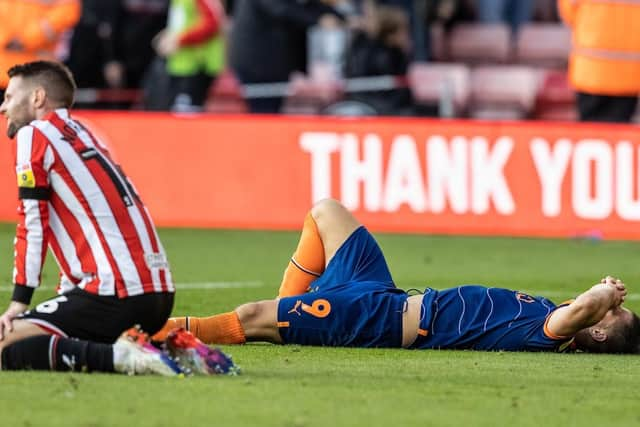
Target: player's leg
41 337
335 225
327 225
255 321
55 353
20 330
32 345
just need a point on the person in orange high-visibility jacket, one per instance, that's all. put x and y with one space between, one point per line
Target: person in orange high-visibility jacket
604 67
31 29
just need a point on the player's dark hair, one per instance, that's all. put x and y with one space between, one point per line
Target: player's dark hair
54 77
622 339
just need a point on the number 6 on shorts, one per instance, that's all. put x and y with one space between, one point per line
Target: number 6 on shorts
51 305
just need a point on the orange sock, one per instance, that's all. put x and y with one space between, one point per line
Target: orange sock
172 323
307 262
219 329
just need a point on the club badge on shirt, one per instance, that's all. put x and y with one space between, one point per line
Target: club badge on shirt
26 179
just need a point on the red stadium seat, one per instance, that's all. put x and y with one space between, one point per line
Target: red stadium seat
543 44
556 98
225 95
480 43
503 92
431 83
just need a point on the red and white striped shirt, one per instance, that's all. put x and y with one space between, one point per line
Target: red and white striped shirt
76 200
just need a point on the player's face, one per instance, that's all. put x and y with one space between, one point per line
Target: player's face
614 317
16 106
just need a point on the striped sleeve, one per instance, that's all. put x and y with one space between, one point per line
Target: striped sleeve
33 159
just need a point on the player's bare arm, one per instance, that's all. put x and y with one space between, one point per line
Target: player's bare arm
588 309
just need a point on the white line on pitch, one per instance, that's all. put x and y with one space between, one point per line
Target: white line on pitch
195 285
220 285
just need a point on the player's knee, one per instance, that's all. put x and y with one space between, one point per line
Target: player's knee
7 341
251 314
256 317
326 207
329 211
247 312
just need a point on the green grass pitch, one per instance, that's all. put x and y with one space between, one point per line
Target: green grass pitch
292 386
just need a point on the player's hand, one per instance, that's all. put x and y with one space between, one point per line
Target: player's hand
165 43
114 73
6 320
620 290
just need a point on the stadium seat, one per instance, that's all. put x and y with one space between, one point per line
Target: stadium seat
503 92
480 43
439 84
545 45
225 95
555 99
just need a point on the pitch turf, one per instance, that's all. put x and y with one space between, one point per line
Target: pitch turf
295 386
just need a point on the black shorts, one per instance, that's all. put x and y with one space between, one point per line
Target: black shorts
86 316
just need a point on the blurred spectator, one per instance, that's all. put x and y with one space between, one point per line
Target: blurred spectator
381 47
545 11
193 44
111 45
269 41
443 14
513 12
137 23
30 30
604 66
91 45
228 6
414 9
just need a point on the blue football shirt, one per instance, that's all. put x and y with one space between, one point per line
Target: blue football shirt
482 318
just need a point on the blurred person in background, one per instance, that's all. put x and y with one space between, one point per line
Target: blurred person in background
91 44
268 41
31 30
604 66
137 23
513 12
381 47
111 45
193 44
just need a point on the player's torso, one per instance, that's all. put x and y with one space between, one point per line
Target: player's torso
476 317
97 216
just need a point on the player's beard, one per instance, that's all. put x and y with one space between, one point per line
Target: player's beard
13 129
18 121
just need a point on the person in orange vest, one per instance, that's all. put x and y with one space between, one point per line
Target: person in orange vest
31 30
604 66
